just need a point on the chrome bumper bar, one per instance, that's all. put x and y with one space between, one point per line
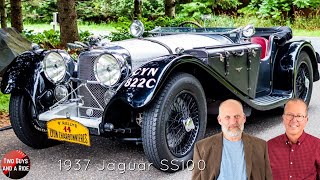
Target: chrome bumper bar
71 111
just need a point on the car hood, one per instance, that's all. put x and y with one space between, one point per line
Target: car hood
146 49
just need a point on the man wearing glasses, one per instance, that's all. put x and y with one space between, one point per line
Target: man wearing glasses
295 154
231 154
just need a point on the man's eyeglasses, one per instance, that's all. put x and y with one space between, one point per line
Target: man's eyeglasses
290 117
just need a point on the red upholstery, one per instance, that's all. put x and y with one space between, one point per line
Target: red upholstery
264 43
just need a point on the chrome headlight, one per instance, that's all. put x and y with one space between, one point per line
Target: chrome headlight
107 70
136 28
248 31
60 92
54 67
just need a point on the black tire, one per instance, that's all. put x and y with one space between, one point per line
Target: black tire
181 98
20 110
303 78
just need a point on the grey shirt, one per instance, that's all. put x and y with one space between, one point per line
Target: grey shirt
233 165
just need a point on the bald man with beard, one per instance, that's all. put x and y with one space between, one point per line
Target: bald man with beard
231 154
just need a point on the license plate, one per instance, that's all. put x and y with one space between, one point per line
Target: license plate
68 130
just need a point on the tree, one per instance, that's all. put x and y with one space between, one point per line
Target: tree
184 1
16 15
169 8
68 21
3 17
137 9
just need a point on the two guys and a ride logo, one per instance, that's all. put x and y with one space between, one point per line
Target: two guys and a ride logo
15 164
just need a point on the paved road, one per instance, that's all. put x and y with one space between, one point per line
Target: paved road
45 164
314 40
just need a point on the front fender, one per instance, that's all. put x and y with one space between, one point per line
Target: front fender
286 60
146 81
140 87
23 73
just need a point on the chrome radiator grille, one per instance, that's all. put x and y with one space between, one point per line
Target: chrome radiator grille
85 71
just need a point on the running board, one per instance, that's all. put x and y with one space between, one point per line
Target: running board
269 100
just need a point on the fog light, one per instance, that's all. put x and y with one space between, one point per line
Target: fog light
89 112
60 92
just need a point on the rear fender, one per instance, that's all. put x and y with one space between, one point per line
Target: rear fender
285 62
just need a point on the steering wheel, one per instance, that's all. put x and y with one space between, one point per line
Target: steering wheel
190 24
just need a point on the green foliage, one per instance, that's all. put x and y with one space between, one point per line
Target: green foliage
152 9
98 11
123 26
311 23
120 8
163 22
257 22
198 8
94 10
222 21
47 39
105 10
50 39
195 9
84 35
39 10
252 8
4 102
225 4
274 8
277 9
121 34
102 11
314 4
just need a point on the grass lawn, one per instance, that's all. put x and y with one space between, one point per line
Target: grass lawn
101 28
303 32
4 109
4 102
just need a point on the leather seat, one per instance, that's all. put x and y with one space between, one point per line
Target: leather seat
264 43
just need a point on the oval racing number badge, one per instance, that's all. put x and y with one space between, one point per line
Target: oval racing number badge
15 164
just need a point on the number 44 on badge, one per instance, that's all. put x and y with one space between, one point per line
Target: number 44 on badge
67 129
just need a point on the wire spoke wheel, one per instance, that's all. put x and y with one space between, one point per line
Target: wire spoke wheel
302 81
174 122
179 140
303 78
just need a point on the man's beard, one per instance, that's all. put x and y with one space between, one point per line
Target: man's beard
232 134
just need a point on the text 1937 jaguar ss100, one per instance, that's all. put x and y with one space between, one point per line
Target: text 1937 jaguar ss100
156 90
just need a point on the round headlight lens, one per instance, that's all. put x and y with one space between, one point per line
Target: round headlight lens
60 92
107 70
54 67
